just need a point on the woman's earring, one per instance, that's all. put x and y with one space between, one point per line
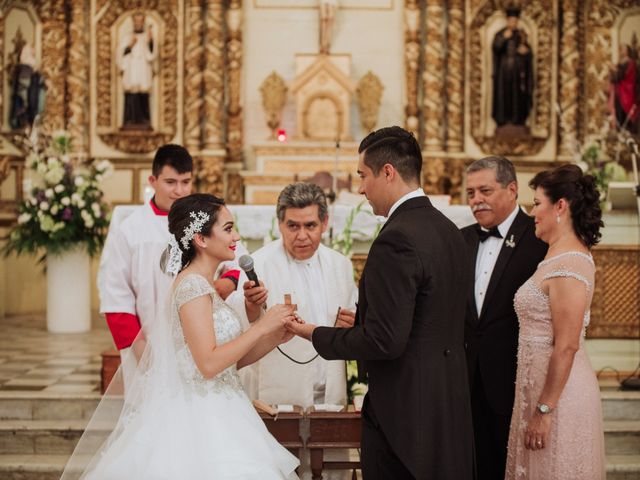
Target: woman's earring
558 219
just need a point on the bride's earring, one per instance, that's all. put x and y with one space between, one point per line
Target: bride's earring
558 219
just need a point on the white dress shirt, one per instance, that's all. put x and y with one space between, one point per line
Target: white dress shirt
488 252
418 192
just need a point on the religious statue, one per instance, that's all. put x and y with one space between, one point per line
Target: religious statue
27 95
512 73
137 52
624 90
327 10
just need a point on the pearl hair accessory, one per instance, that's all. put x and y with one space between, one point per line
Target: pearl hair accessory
195 226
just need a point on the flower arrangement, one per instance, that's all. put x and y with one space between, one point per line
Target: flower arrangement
65 207
343 242
594 160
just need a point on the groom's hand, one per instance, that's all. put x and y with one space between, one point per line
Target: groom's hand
304 330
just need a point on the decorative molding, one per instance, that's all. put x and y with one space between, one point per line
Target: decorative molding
443 176
107 129
78 77
542 14
235 132
235 188
213 75
368 96
193 83
274 96
455 77
433 108
2 66
210 175
570 46
54 48
600 19
615 308
412 61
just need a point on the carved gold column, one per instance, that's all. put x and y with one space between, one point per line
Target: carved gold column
1 62
77 78
455 77
54 49
412 59
569 79
433 84
214 75
193 63
234 73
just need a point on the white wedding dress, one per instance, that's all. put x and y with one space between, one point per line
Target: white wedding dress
199 428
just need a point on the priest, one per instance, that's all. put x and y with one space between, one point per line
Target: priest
320 282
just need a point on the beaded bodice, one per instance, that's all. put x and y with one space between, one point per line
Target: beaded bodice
532 303
226 327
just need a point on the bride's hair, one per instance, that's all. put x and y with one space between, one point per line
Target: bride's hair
181 221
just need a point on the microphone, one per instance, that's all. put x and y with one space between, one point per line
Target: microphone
246 264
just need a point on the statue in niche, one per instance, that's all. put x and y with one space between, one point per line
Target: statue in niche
624 90
28 89
137 52
327 9
512 76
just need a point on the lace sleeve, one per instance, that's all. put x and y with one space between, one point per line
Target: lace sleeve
191 287
573 265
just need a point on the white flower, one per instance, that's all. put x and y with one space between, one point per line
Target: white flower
75 198
41 168
96 209
24 218
81 203
52 162
44 206
46 223
57 226
49 193
66 201
86 217
78 181
59 188
583 166
54 176
55 209
65 158
33 201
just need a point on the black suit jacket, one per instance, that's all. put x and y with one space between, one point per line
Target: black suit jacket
491 339
409 336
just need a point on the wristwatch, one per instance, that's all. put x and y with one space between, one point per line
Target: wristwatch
543 408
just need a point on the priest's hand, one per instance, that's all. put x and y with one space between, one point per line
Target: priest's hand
346 318
255 299
303 330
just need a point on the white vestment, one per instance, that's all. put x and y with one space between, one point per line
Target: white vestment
276 379
137 65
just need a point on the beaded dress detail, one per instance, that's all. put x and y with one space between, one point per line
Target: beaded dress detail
575 445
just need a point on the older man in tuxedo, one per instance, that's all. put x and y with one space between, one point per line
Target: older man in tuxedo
409 326
505 253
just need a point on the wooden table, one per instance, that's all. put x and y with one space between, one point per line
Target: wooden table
332 430
285 427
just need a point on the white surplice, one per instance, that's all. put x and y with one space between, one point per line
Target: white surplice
318 286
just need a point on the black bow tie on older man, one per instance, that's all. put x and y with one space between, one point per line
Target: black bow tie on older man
484 234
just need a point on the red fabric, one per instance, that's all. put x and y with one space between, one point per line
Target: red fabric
626 90
235 274
156 210
124 328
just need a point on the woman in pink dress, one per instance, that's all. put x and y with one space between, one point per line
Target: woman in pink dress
556 428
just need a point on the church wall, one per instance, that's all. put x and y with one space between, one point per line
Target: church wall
372 35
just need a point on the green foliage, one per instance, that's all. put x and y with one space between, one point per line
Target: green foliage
65 207
595 161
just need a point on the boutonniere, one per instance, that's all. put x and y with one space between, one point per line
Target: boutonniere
510 242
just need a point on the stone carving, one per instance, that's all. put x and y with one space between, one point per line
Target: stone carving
542 14
455 77
234 82
210 175
327 13
77 78
193 61
214 75
443 176
368 96
54 46
107 123
274 96
569 79
412 59
433 107
323 97
235 188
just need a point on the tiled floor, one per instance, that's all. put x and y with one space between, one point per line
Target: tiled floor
31 359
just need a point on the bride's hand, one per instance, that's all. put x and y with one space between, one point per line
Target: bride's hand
275 318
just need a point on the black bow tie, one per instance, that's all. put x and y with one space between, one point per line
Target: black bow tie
484 234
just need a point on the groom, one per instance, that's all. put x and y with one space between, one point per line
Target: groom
408 336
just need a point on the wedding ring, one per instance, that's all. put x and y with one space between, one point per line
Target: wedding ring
539 443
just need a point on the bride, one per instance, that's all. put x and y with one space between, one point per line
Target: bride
185 414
